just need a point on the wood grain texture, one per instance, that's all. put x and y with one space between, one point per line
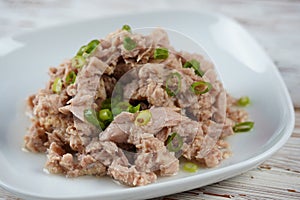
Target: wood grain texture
274 23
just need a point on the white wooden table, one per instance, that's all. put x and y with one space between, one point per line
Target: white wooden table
274 23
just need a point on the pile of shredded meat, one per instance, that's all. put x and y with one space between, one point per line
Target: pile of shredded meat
191 111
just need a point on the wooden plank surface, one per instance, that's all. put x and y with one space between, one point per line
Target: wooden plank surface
274 23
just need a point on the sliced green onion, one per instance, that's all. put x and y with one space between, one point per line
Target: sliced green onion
106 104
88 49
116 111
129 44
92 45
170 138
103 125
161 53
143 118
57 85
243 101
126 27
70 78
105 115
78 61
243 127
120 107
195 65
81 50
90 116
173 84
176 139
201 87
134 109
190 167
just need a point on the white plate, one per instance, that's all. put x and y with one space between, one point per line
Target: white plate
243 65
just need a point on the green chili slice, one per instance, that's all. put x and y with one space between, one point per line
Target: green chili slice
174 142
105 115
161 53
57 85
195 65
70 78
129 44
190 167
173 84
126 27
90 116
78 61
243 101
243 127
143 118
201 87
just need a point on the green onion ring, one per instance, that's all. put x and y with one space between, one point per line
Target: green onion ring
195 65
243 127
92 45
70 78
105 115
161 53
143 118
169 90
134 109
243 101
190 167
57 85
129 44
78 61
170 141
202 84
90 116
126 27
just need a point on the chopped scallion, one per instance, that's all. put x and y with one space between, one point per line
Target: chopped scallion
105 115
120 107
195 65
106 104
90 116
173 84
116 111
143 118
70 78
201 87
161 53
174 142
102 125
86 50
81 50
57 85
190 167
243 127
92 45
78 61
243 101
129 44
126 27
134 109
